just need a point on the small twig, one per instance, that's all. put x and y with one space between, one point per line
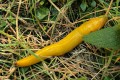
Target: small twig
98 72
17 31
60 15
60 10
3 5
109 8
11 71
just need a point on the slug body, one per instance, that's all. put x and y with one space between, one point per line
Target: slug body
66 44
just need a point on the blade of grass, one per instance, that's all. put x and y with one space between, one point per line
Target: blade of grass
107 64
20 43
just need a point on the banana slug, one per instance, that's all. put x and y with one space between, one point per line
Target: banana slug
66 44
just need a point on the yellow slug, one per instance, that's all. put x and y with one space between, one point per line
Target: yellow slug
66 44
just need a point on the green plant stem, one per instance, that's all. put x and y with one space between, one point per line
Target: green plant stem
107 64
